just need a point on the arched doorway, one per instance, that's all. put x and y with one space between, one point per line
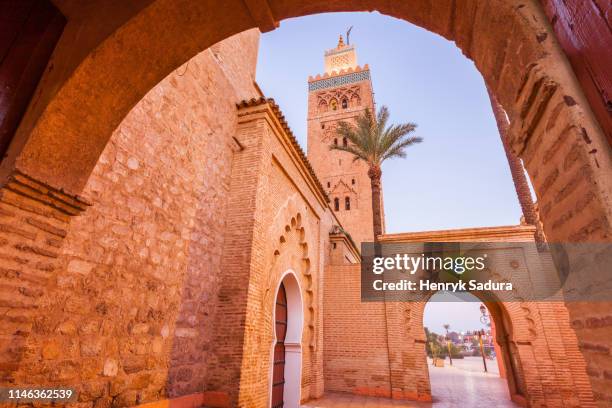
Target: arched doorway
471 351
286 363
278 363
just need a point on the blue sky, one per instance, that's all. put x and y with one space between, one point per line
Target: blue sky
444 307
458 177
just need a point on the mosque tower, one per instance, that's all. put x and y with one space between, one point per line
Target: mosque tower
342 93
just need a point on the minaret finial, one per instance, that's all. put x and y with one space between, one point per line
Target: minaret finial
340 42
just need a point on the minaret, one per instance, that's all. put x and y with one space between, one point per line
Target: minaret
342 93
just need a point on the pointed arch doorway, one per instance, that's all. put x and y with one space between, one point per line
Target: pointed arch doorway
287 348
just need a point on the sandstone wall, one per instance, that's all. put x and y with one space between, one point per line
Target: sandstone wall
279 222
130 311
356 354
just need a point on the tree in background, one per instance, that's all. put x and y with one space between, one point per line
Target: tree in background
373 141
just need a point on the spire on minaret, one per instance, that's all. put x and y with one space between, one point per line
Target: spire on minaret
341 57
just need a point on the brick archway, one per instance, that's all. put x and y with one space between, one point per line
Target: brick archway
100 75
509 41
514 324
531 343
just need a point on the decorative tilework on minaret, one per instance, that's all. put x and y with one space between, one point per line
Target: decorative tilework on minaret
342 93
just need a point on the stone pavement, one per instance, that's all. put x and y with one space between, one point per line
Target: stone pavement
463 385
340 400
467 385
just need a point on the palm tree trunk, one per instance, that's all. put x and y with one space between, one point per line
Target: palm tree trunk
375 174
517 171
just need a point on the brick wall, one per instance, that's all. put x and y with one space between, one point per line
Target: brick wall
34 219
278 221
130 297
378 348
356 354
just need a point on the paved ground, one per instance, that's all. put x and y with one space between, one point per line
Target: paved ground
336 400
463 385
474 364
467 385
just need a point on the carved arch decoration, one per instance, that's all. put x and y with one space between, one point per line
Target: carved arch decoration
322 105
330 132
341 190
293 235
351 94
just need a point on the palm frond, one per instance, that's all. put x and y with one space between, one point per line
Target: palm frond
357 153
399 149
372 140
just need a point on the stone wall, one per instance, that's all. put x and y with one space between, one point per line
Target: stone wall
131 302
279 222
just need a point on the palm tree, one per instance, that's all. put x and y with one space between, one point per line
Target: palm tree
372 141
448 343
517 171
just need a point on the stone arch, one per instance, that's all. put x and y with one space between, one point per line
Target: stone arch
505 321
510 42
531 340
516 28
523 354
553 130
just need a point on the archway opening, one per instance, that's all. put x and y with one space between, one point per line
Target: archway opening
470 353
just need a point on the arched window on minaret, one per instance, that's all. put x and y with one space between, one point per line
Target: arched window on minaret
344 142
355 101
322 106
336 204
347 203
334 104
335 142
344 103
